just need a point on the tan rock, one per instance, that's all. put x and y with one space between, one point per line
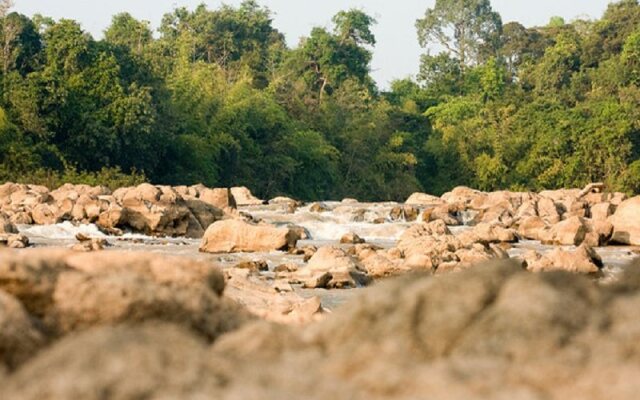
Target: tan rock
531 228
343 269
243 197
570 232
548 211
220 198
626 226
602 211
423 199
351 238
583 260
19 338
232 236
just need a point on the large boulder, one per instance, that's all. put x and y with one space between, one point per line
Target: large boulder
154 361
71 291
243 197
582 260
234 236
570 232
218 197
626 222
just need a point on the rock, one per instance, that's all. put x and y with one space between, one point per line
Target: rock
494 233
423 199
404 213
602 211
318 208
599 232
149 361
548 211
351 238
446 213
6 226
219 198
349 201
282 268
583 260
18 241
95 244
461 195
570 232
45 214
243 197
331 262
152 210
531 228
203 215
19 338
378 265
163 270
82 301
285 201
253 266
626 229
232 236
31 276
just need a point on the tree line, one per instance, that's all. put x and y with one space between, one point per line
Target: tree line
216 96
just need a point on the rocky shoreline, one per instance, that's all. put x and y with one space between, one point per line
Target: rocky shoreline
453 312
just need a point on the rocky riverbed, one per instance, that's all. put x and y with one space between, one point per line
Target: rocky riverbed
190 292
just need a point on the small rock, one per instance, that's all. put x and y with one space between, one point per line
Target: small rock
253 266
351 238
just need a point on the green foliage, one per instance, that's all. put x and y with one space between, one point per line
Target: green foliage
218 98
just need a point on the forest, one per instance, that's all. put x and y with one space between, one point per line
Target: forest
216 96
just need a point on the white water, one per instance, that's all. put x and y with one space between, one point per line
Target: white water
342 218
62 231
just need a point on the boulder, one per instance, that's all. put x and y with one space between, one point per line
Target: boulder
423 199
583 260
6 226
19 338
81 301
318 208
531 228
219 198
331 267
404 213
494 233
233 236
626 226
158 361
548 211
602 211
570 232
445 212
45 214
243 197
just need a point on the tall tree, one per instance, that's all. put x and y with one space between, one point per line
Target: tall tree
469 30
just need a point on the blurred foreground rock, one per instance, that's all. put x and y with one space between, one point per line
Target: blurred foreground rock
491 332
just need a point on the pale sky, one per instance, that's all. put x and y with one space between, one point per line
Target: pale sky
396 54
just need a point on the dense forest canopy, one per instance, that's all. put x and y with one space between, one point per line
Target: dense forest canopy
218 97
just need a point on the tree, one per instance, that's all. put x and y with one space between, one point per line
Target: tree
129 32
468 29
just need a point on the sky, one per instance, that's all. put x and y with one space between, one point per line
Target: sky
397 54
